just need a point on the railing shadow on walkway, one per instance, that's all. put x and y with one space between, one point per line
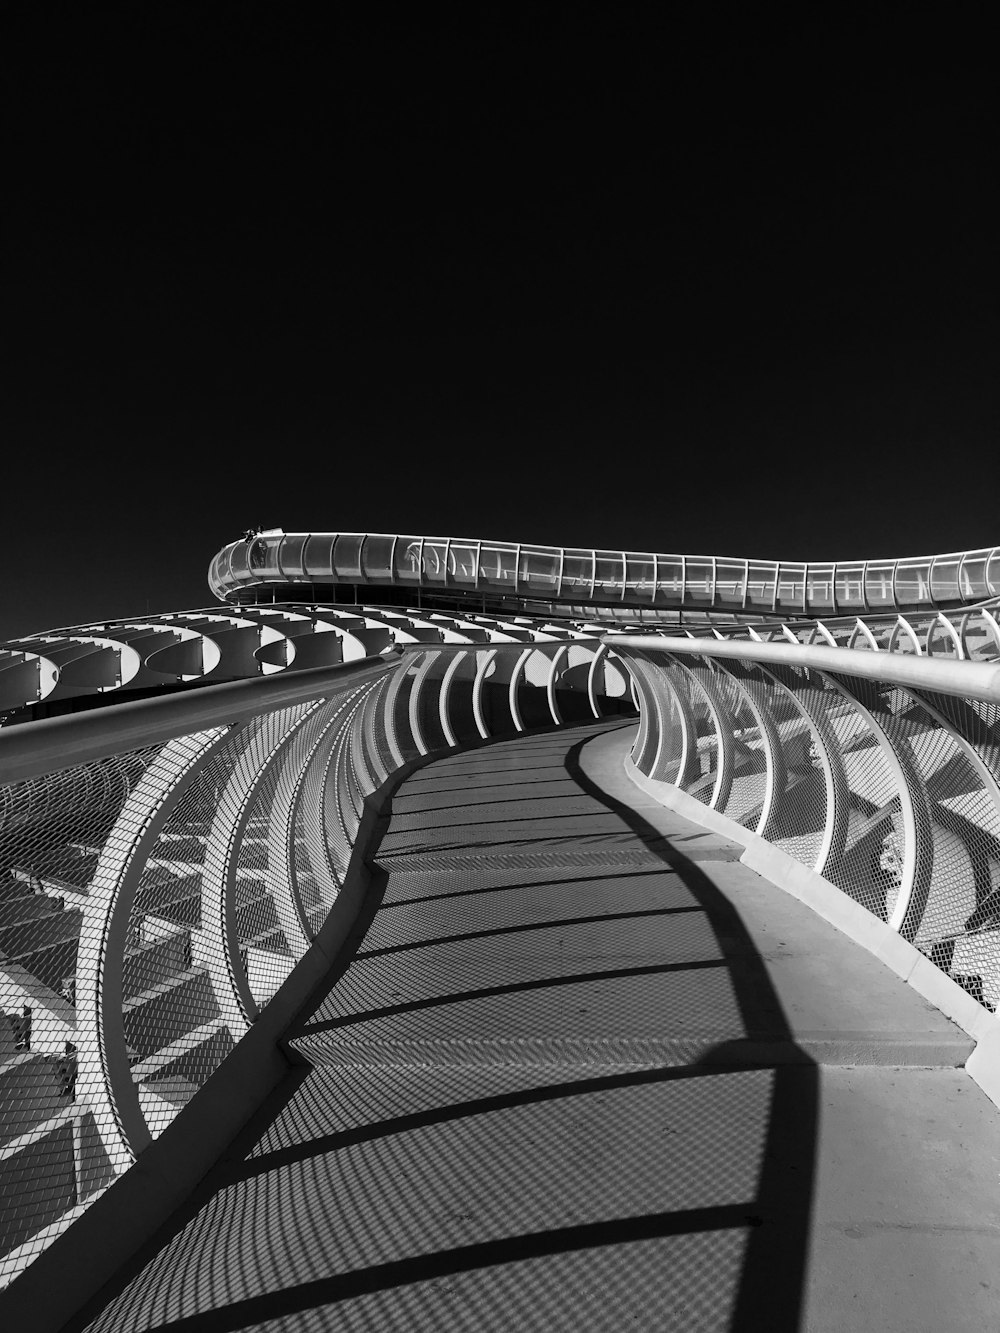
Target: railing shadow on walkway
775 1221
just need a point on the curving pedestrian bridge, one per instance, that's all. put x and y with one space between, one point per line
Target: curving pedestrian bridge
474 967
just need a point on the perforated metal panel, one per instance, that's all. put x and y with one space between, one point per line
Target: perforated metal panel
891 793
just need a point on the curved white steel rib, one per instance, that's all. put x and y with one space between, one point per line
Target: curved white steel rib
104 1079
908 746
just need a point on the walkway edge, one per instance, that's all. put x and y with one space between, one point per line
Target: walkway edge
853 920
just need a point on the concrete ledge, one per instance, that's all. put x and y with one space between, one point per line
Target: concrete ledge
853 920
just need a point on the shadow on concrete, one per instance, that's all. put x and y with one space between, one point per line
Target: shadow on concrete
772 1284
334 1170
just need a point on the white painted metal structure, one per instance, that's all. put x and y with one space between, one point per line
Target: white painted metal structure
586 578
202 647
168 863
880 773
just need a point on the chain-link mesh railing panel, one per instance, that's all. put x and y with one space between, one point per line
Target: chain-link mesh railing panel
338 839
314 875
376 754
376 721
675 753
264 948
798 820
425 701
955 747
932 761
869 863
759 747
265 951
532 689
893 794
52 832
907 849
718 746
173 1025
141 924
397 704
212 844
351 798
173 1031
975 721
364 776
748 786
461 712
652 695
705 758
265 956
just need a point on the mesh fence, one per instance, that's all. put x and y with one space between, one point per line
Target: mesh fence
173 887
960 928
52 834
890 793
152 902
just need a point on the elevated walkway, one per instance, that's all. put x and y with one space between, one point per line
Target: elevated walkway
580 1069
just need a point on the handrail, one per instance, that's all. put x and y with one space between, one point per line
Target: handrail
45 746
969 680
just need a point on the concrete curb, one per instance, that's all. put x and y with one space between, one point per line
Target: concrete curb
827 901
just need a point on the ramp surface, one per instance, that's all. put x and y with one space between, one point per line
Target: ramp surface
584 1070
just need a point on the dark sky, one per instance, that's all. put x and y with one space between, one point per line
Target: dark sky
579 275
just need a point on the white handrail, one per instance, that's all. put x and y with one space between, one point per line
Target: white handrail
967 680
34 748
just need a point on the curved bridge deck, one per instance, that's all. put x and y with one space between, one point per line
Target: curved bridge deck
582 1069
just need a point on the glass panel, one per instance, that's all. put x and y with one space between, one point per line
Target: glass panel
911 581
462 564
819 583
539 569
640 576
435 561
218 571
729 577
262 556
849 592
760 585
944 579
319 555
290 555
698 581
376 557
993 574
878 583
238 561
407 559
347 555
973 581
499 563
791 580
669 580
578 570
610 572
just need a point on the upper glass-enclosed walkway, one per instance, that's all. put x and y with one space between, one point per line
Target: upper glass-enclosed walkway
576 581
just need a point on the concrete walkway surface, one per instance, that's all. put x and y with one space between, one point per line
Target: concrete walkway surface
583 1070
